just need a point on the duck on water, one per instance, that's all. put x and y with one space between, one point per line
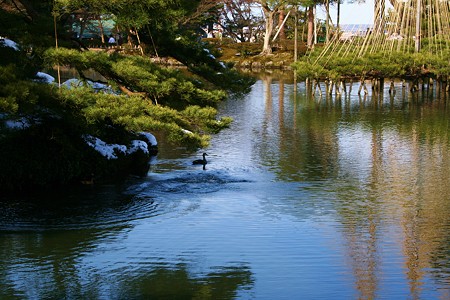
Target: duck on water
201 161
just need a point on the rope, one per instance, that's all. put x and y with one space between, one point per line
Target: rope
397 31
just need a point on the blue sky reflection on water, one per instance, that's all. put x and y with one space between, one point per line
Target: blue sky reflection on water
246 238
302 199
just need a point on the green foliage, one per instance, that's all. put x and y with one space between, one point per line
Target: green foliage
206 118
50 149
306 70
137 113
156 99
16 91
377 65
162 85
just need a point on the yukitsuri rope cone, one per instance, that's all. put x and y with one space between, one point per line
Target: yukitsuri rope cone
409 41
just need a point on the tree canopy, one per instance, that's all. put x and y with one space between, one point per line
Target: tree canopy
43 126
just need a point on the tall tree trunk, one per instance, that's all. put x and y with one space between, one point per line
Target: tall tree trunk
296 38
310 39
267 49
327 21
100 26
82 26
338 20
281 17
418 15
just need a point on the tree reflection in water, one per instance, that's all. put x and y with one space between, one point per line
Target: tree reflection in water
342 197
47 240
179 284
385 158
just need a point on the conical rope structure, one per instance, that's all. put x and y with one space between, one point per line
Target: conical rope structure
411 40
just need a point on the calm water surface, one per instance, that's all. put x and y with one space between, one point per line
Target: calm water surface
302 198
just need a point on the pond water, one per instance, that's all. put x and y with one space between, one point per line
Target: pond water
302 198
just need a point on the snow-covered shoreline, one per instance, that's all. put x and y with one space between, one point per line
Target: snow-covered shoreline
110 151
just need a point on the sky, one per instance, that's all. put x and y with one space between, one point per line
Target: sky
351 13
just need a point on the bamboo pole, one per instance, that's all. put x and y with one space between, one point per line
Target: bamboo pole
139 43
418 15
281 26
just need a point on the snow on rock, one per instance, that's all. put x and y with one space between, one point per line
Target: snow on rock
137 145
17 124
44 77
74 83
186 131
209 53
107 150
110 150
9 43
149 137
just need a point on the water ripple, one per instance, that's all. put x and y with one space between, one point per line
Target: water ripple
107 206
188 182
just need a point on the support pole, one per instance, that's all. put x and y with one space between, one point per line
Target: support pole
281 26
295 34
418 10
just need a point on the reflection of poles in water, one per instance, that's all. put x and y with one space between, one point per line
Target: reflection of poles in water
343 86
362 249
329 86
360 227
411 227
411 251
363 86
375 87
362 100
295 82
316 85
295 99
267 81
392 91
377 91
281 103
267 120
309 88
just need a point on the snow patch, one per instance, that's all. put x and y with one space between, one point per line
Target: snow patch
107 150
149 137
44 77
17 124
98 87
110 150
209 53
137 145
186 131
9 43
